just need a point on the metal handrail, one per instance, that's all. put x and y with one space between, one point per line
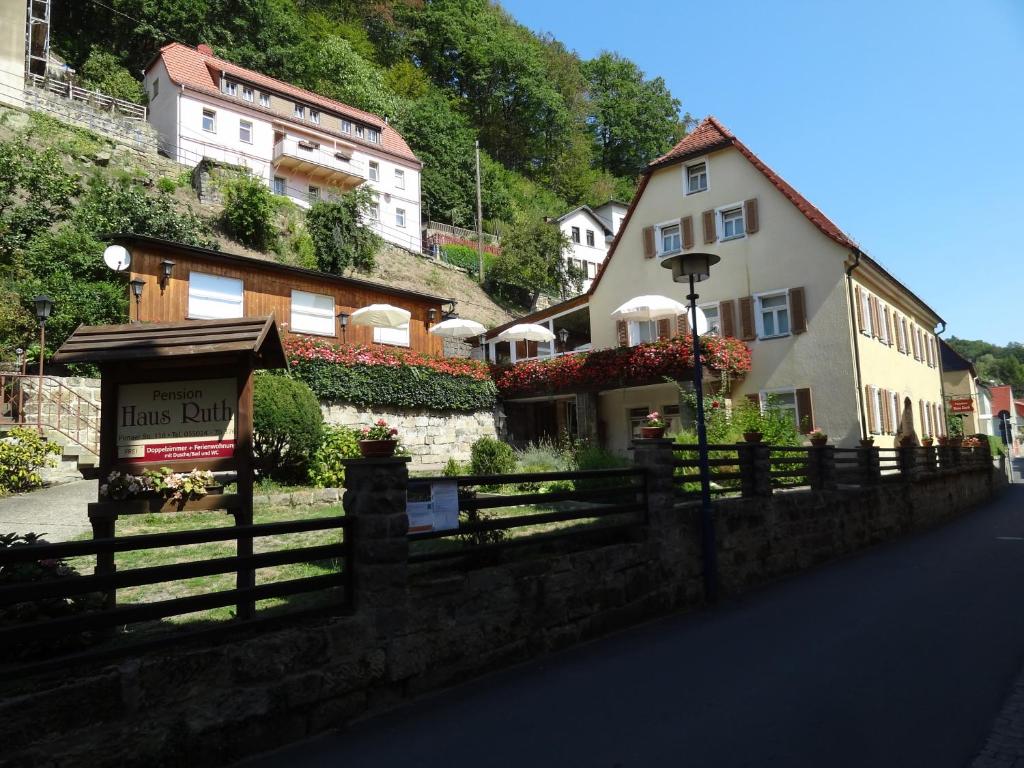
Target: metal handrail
67 90
465 234
57 407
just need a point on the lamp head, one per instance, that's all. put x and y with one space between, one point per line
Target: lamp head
563 335
343 319
44 306
166 267
687 265
137 286
431 314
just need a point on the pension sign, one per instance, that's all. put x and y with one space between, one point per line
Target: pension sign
176 421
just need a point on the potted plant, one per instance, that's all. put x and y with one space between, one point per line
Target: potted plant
378 441
943 440
653 427
867 442
818 437
927 441
173 489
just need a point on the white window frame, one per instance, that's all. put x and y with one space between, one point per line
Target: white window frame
373 135
346 126
720 213
895 410
672 415
212 115
659 238
307 317
634 332
314 116
686 178
299 111
705 308
359 131
885 317
865 312
215 297
374 210
313 193
590 238
230 88
374 170
875 427
400 217
764 394
265 100
759 319
247 93
282 188
399 178
574 235
634 420
395 337
242 125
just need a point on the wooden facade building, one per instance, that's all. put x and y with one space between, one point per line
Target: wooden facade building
206 285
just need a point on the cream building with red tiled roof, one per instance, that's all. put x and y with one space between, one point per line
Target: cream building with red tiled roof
305 146
836 341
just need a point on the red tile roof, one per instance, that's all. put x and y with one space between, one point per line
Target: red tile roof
711 135
200 71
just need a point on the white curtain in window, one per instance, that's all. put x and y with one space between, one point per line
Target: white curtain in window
212 297
312 313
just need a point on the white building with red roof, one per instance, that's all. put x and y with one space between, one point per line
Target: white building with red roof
836 341
305 146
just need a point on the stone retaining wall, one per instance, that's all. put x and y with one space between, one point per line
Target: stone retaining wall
432 437
419 628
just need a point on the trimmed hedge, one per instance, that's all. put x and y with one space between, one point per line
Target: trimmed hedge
403 386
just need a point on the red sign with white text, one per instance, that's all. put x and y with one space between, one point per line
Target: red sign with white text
961 405
194 451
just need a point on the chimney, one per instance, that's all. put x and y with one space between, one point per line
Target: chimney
204 49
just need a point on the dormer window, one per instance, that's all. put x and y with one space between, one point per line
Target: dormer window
669 239
314 116
359 131
346 126
231 89
372 134
265 100
299 112
696 178
247 93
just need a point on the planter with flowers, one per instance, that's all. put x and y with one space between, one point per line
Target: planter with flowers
653 427
378 441
160 491
818 437
927 441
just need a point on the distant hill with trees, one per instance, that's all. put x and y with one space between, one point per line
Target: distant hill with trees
999 365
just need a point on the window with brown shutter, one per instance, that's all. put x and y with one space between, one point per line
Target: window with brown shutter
804 411
797 311
727 318
649 251
924 422
622 331
876 323
750 219
906 336
709 227
884 414
747 329
869 399
686 227
859 301
888 326
664 328
683 325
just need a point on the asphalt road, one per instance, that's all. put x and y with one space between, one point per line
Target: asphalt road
900 656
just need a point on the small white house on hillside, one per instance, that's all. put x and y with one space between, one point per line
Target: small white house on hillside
590 230
303 145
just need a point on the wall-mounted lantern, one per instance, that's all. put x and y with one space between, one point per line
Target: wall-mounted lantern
166 267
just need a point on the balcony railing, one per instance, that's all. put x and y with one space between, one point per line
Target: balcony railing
102 101
318 160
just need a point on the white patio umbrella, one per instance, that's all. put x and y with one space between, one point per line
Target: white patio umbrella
654 307
381 316
526 332
457 328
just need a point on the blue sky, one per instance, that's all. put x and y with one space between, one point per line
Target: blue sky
902 120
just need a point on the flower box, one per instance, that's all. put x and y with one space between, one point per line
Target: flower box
146 505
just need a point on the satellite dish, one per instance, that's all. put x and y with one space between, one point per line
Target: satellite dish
117 257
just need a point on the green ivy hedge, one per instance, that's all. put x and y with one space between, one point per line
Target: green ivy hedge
398 386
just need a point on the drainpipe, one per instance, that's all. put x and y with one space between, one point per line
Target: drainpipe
856 346
942 384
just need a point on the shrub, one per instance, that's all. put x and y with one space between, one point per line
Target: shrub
465 257
590 456
22 453
103 72
490 456
544 456
336 443
340 240
453 468
249 209
287 425
996 445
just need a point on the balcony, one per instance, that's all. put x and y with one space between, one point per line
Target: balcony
332 167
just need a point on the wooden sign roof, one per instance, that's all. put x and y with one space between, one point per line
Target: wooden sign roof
155 341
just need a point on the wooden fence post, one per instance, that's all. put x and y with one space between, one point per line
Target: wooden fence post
869 466
375 498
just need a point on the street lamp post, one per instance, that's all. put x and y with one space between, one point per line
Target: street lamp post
44 306
693 268
137 285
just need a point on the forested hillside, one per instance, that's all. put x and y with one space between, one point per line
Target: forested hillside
556 130
995 364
